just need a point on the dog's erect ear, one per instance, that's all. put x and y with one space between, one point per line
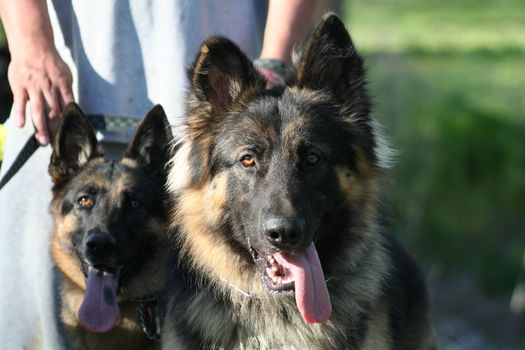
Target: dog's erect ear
330 61
74 144
222 72
152 142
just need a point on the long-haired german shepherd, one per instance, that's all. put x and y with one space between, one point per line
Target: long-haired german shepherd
109 236
277 211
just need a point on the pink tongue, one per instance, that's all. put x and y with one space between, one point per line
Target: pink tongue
99 310
311 294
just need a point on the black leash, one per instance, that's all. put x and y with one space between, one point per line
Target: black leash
110 124
27 151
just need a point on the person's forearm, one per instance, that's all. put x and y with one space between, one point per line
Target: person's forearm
286 25
27 27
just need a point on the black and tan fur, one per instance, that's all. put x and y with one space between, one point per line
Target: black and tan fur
318 167
127 204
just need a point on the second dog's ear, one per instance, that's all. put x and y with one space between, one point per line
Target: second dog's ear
74 145
153 141
222 72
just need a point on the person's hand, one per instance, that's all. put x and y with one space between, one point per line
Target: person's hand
46 83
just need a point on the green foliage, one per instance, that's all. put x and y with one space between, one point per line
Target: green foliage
448 81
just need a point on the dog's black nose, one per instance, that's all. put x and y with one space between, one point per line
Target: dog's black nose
100 246
284 233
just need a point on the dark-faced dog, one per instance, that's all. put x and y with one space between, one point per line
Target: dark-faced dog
109 236
277 214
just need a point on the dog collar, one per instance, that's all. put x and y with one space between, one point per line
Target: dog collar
150 315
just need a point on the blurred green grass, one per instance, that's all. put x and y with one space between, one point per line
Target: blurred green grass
448 79
437 26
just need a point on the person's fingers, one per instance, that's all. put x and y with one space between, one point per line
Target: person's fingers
66 91
19 107
52 100
38 113
55 107
52 127
65 95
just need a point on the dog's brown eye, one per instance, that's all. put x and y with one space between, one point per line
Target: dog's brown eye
86 202
135 203
312 158
247 161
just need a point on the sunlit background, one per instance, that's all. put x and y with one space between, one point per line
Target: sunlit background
448 79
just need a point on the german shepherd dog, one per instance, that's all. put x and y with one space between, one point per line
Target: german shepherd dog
109 235
277 197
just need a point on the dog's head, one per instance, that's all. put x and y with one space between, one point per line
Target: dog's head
278 170
109 216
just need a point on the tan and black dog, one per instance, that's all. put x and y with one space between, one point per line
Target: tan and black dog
109 236
278 211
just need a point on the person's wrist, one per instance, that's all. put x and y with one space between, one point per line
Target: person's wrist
32 49
278 66
273 70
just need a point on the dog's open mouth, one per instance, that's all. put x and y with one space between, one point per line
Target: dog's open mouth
274 275
301 274
99 311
